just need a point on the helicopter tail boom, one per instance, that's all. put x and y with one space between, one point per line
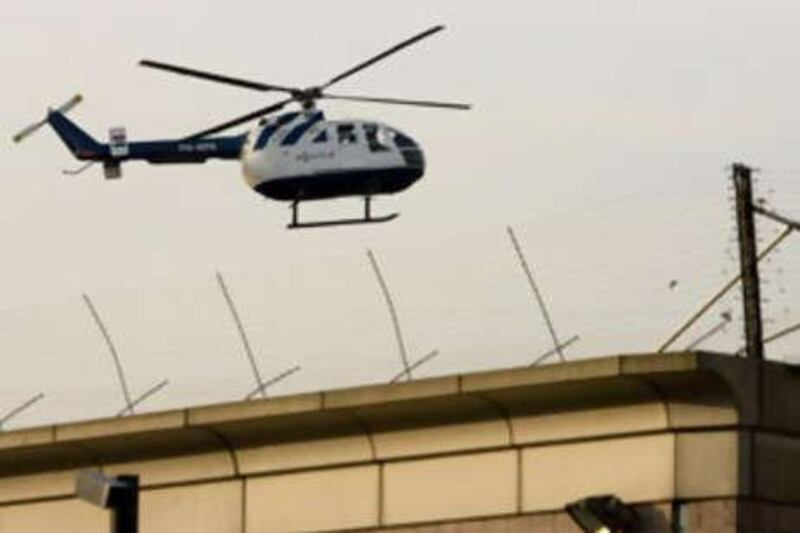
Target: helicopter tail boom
84 147
80 143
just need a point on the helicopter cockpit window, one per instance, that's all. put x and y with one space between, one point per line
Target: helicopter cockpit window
377 138
347 134
322 137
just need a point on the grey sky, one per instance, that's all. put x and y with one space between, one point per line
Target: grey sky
601 132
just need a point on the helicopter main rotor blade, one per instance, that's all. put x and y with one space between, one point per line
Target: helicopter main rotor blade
240 120
247 84
399 101
383 55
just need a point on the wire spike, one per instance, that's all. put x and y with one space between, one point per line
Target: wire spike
242 334
401 345
112 349
537 294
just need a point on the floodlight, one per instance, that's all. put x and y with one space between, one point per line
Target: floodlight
93 487
602 514
120 494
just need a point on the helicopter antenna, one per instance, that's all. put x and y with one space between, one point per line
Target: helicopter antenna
308 96
537 294
260 385
398 333
20 409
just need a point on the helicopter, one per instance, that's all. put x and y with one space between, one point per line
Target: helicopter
294 156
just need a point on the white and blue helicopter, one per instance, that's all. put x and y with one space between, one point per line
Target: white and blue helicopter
294 157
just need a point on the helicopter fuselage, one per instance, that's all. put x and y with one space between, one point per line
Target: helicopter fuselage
302 156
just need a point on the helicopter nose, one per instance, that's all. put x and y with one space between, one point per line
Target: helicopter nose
413 157
410 150
403 141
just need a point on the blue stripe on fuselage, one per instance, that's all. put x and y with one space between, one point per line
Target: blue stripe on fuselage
267 133
293 136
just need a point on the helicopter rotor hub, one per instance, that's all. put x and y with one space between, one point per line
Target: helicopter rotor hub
307 97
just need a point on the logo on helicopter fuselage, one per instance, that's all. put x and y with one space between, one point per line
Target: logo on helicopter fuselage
305 156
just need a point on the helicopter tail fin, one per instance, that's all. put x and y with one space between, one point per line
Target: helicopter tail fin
81 144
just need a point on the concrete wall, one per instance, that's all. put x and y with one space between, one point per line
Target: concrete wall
469 451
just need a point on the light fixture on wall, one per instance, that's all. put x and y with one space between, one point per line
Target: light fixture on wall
120 494
602 514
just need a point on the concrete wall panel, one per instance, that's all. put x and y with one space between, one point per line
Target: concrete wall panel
778 467
781 409
540 523
64 516
637 469
442 439
344 498
706 464
653 519
713 516
305 454
37 486
771 517
451 487
202 508
183 469
587 422
698 401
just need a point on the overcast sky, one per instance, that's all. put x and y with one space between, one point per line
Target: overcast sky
601 132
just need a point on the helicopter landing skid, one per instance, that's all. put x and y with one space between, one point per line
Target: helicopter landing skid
367 219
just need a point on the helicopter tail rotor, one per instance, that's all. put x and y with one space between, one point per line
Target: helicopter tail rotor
33 128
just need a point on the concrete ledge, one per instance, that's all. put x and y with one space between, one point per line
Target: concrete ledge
27 437
112 427
628 394
286 405
395 392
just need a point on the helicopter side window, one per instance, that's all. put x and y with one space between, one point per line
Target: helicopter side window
376 139
347 134
321 138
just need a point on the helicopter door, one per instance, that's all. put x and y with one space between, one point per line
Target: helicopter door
377 138
350 145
